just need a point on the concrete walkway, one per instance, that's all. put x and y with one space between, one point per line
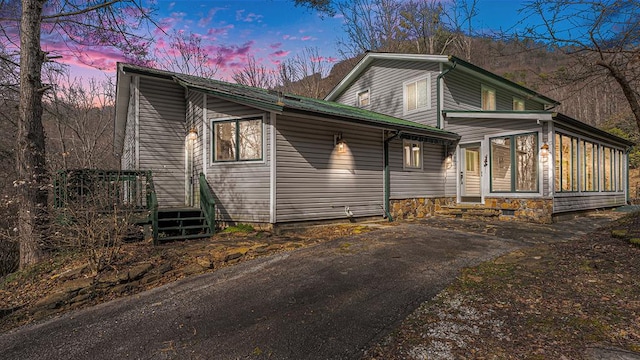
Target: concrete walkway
330 301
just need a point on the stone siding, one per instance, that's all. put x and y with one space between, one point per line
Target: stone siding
535 210
418 207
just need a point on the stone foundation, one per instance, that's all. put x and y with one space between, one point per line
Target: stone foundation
508 209
418 207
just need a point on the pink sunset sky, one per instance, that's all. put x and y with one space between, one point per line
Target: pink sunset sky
231 31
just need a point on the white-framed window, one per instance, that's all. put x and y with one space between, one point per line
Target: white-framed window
363 98
518 104
417 94
488 98
412 154
238 139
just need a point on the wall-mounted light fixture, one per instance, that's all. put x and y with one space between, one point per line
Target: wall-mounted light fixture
448 160
544 150
193 134
340 143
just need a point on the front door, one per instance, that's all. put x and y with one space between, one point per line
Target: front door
470 184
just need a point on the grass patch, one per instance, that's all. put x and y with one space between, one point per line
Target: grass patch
239 228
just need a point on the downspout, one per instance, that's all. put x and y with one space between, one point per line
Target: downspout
387 176
628 151
438 79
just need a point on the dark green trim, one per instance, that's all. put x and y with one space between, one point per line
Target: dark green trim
497 111
237 139
512 160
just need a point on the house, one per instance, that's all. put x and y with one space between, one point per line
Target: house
516 157
400 136
268 158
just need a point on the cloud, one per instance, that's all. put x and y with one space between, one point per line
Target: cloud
275 45
323 59
250 17
230 55
280 53
307 38
220 31
204 21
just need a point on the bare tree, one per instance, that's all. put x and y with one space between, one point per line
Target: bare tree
78 23
601 37
81 117
187 55
254 74
460 17
423 26
303 73
370 25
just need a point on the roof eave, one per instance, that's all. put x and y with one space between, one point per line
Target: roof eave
559 117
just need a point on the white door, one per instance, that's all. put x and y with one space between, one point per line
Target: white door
470 174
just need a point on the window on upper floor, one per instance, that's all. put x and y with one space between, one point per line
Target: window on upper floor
363 98
237 140
412 154
488 98
417 94
518 104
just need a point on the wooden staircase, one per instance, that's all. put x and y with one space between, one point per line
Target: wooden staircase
182 224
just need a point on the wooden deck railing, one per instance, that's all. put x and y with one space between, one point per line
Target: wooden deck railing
207 202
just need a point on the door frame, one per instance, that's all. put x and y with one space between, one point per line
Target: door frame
461 167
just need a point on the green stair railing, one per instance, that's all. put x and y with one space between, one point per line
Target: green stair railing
207 202
152 206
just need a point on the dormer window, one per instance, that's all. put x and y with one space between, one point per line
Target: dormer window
363 98
488 98
518 104
417 94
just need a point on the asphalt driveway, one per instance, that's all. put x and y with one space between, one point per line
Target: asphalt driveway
329 301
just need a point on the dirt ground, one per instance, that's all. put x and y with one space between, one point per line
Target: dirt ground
559 300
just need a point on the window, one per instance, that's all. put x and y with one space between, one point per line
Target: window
237 140
590 174
566 154
488 98
608 174
583 165
412 154
417 95
363 98
471 159
518 104
514 163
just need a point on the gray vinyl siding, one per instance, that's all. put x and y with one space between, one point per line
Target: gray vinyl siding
417 183
314 182
462 91
162 135
385 79
564 203
242 188
128 158
195 121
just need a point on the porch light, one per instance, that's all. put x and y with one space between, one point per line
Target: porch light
544 150
193 134
448 160
340 142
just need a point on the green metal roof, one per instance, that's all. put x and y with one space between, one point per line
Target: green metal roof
279 102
